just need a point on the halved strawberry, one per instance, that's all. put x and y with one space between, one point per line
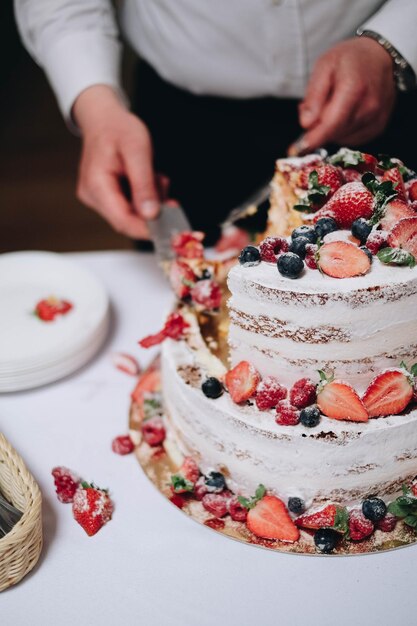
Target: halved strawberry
269 519
350 202
388 393
341 259
241 381
181 278
395 176
338 400
395 211
412 191
404 235
320 519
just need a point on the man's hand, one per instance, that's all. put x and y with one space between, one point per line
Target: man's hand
350 95
116 145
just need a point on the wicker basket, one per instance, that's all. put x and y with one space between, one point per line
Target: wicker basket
21 547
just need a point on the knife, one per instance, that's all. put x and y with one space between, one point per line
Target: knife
170 221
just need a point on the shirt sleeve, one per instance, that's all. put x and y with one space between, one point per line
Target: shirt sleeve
76 42
396 21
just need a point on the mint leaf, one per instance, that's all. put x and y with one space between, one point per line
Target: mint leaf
396 256
405 507
341 520
179 483
249 503
413 369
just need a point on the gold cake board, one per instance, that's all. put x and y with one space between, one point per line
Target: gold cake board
158 467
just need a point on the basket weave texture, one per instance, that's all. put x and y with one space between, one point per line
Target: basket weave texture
21 547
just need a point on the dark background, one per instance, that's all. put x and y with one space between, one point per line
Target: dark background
39 160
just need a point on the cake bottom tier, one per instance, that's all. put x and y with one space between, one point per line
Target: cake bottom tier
335 461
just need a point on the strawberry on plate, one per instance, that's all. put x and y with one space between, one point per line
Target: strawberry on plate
241 381
48 308
342 259
396 210
92 507
338 400
207 294
388 393
350 202
404 235
325 518
270 519
181 278
394 175
175 328
149 382
188 245
186 477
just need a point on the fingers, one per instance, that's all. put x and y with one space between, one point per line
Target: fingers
318 92
137 161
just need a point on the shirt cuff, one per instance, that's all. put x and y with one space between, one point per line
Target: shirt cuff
395 27
80 60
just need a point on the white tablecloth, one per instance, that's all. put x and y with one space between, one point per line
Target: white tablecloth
151 565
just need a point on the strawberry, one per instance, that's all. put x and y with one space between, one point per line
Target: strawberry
404 235
359 526
271 247
186 477
200 488
388 393
241 381
394 175
217 503
126 363
268 393
122 445
325 518
207 293
303 393
237 511
377 239
92 507
187 245
352 176
287 415
412 191
47 309
149 382
66 483
355 160
342 259
174 328
350 202
181 278
153 431
270 519
338 400
395 210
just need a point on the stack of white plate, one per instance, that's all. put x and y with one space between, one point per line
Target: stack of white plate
34 352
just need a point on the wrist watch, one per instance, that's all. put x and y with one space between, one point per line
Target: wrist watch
404 76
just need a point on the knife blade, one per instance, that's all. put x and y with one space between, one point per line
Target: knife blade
170 221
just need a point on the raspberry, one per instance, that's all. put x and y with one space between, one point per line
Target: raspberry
66 483
303 393
359 526
268 393
377 239
122 445
207 293
153 431
216 503
271 247
237 511
387 523
200 488
310 258
287 415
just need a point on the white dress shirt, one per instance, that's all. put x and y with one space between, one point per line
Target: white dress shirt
234 48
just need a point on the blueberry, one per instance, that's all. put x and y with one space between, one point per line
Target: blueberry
216 481
250 256
205 274
212 387
326 539
290 265
374 509
324 226
361 229
305 231
310 416
367 252
296 505
298 246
